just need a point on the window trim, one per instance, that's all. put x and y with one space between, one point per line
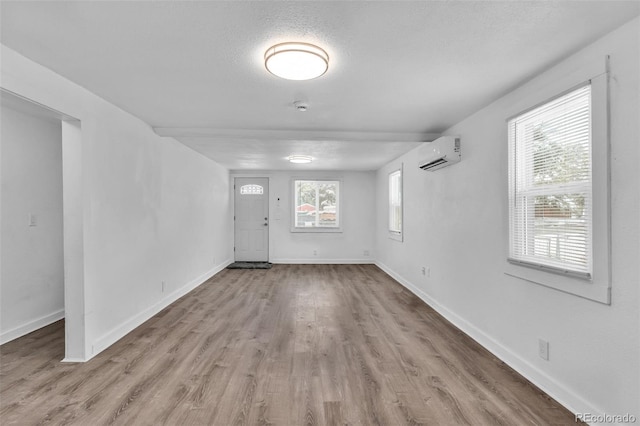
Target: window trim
598 286
339 209
396 235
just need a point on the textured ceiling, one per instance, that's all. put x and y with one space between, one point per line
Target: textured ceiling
405 70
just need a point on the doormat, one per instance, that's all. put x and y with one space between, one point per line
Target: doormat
250 265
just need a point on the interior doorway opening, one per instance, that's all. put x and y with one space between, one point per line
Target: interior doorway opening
41 253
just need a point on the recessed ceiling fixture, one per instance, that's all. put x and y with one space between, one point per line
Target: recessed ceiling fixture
296 61
300 159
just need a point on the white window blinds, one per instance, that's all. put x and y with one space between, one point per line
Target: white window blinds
550 191
395 201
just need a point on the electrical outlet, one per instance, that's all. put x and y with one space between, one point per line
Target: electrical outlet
163 286
33 220
315 252
543 349
424 271
366 253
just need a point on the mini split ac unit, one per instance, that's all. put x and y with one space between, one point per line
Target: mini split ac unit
442 152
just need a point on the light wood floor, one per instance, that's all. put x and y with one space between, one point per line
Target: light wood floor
294 345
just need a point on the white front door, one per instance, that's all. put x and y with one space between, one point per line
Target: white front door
251 219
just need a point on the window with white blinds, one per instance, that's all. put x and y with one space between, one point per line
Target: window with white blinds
395 202
550 185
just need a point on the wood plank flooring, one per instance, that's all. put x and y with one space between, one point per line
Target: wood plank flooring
293 345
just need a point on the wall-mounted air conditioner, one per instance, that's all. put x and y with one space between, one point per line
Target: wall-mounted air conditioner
442 152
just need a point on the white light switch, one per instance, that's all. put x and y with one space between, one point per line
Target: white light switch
33 220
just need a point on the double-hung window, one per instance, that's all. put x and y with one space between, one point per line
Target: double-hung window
395 204
550 205
559 187
316 206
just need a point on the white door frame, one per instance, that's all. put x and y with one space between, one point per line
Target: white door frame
73 206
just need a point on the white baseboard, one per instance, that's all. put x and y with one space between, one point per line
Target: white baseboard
569 399
129 325
73 360
30 326
316 261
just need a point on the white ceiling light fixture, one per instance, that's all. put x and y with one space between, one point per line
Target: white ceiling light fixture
300 159
296 61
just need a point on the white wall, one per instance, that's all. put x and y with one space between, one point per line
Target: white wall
153 209
32 274
357 216
455 223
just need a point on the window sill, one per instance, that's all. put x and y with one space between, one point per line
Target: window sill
397 236
313 230
596 289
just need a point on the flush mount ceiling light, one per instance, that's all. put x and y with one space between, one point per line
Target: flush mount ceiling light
300 159
296 61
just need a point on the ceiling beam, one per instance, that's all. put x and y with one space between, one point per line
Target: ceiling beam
293 135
